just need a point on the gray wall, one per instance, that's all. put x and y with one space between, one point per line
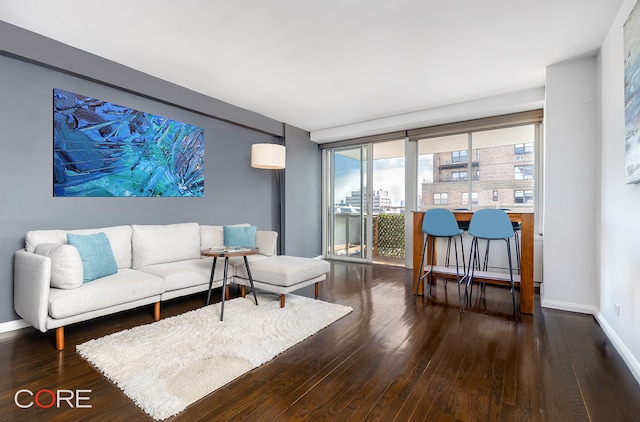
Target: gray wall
30 69
303 190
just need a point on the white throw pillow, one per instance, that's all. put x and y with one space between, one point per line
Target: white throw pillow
267 242
211 236
66 265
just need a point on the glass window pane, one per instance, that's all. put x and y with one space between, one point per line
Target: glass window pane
497 169
442 171
349 180
388 202
506 168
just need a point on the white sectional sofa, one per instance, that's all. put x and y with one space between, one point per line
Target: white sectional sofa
154 263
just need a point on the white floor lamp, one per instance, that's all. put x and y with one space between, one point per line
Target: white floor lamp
272 157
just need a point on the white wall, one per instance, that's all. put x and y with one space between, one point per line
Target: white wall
593 225
620 222
571 187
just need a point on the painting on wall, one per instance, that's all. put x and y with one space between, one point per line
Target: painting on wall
632 95
103 149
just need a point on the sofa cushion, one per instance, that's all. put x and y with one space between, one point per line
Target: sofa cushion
66 264
158 244
283 270
95 253
119 237
192 272
123 287
267 242
237 262
240 236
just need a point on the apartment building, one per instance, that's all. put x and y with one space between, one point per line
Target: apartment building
500 177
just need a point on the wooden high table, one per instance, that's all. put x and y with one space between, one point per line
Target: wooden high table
526 252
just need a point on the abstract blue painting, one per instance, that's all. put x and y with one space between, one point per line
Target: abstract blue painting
103 149
632 95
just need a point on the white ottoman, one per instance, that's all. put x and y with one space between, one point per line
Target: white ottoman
283 274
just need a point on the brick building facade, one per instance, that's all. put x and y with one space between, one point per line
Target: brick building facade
497 177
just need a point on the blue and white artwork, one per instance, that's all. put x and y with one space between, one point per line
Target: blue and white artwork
102 149
632 95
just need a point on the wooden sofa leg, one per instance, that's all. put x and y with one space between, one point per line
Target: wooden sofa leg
282 301
243 291
60 338
317 284
156 311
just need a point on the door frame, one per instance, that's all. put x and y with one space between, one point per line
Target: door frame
366 200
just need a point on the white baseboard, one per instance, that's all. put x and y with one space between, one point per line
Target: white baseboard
13 325
628 358
569 306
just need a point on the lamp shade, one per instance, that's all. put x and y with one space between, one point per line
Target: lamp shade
268 156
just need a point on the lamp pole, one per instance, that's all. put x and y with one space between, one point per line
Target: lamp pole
273 157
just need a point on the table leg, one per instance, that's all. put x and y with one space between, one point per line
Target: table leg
224 287
213 270
246 264
417 251
526 264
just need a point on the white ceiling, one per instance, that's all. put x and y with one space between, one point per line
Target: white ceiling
320 64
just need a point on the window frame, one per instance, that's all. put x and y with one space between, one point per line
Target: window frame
526 148
475 197
527 173
443 198
461 176
459 154
524 196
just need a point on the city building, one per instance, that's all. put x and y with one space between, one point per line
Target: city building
381 201
499 177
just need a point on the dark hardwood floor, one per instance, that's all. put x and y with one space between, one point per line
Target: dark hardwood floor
390 359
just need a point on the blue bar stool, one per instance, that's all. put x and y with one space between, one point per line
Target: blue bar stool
491 224
516 229
464 226
437 223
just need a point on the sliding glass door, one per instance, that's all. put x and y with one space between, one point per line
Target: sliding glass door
348 222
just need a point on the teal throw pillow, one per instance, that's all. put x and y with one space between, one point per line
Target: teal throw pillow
96 254
240 236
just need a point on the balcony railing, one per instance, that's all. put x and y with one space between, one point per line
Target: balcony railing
448 178
388 237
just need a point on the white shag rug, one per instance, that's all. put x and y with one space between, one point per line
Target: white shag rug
165 366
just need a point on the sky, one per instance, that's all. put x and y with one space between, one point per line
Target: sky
388 174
